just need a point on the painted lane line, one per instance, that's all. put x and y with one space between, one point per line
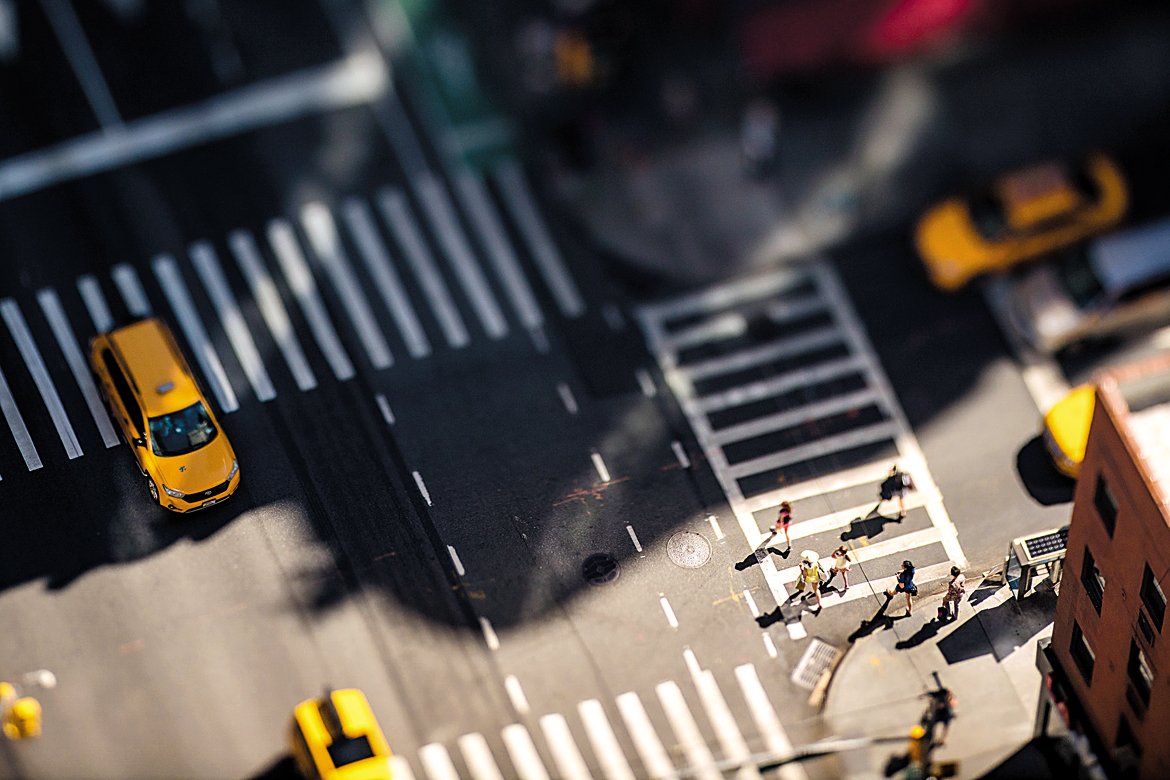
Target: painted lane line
567 398
680 454
354 81
719 327
857 437
384 407
478 756
422 488
489 633
845 517
540 340
16 424
714 521
634 538
731 741
396 212
516 694
400 768
751 602
778 385
725 296
126 278
455 560
686 731
599 464
40 374
55 314
670 616
829 483
566 755
436 762
605 743
440 213
646 383
646 741
251 264
764 714
478 205
522 207
175 290
207 266
770 646
765 353
692 662
319 226
283 240
70 35
796 631
795 416
95 302
772 576
523 753
613 316
377 259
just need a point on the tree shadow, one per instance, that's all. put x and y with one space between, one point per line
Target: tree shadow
1040 477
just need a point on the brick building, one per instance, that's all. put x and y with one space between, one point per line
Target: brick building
1107 668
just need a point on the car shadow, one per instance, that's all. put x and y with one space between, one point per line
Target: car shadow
1040 477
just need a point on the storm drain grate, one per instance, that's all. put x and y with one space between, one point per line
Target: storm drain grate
600 568
688 549
818 657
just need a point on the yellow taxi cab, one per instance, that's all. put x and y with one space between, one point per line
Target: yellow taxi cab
337 737
152 394
1066 429
1023 215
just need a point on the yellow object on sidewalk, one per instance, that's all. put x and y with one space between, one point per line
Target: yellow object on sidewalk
22 719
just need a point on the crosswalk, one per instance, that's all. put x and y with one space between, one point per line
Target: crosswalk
371 254
786 396
676 748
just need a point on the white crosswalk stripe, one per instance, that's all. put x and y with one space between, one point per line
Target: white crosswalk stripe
604 742
566 754
523 753
764 715
267 298
437 762
55 314
645 738
12 416
126 278
478 757
175 289
206 263
95 302
686 731
40 374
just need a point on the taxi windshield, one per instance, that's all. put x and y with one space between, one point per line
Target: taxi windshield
181 432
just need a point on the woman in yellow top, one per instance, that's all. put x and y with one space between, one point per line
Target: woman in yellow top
810 575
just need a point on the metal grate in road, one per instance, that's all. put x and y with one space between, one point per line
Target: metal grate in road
819 657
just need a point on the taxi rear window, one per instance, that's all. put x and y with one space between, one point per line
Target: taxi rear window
349 750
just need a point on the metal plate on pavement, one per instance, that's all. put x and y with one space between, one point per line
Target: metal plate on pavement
688 549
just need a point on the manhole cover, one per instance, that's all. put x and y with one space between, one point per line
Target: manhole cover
600 568
689 550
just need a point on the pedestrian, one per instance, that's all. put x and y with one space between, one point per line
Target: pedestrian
955 590
941 710
905 585
783 520
895 485
809 575
842 563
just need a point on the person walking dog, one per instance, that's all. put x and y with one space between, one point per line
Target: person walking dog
895 485
842 563
905 585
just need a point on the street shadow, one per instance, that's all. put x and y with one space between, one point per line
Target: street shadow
1040 478
754 560
985 591
283 768
1000 629
869 526
928 629
879 621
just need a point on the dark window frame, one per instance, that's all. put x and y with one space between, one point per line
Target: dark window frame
1092 581
1133 670
1082 653
1153 598
1106 504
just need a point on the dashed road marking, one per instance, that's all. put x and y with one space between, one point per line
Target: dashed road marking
516 694
669 612
422 488
489 634
567 398
599 465
384 407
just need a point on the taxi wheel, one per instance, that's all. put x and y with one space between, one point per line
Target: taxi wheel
152 488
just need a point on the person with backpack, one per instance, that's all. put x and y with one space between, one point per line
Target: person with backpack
905 584
895 485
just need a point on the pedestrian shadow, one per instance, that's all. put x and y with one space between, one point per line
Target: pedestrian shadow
928 629
754 560
880 620
869 526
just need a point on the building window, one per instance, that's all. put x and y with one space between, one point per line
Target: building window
1082 653
1153 598
1106 505
1141 674
1127 752
1092 580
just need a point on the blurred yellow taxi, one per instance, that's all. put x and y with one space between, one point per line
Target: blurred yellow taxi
336 737
1021 216
185 457
1066 429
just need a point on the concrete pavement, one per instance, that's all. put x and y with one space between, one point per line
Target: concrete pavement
986 658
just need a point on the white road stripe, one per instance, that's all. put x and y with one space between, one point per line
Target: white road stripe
540 340
599 465
386 279
605 743
751 602
353 81
95 302
646 741
788 309
878 587
384 407
724 296
126 278
826 446
206 262
422 488
796 631
449 233
319 226
772 576
567 397
523 753
516 694
489 634
77 363
718 328
545 254
731 741
396 212
796 416
175 289
896 544
634 538
845 517
40 374
765 353
565 753
775 738
400 768
16 424
477 203
773 386
770 646
455 560
829 483
283 239
71 36
478 756
714 521
680 454
669 612
646 383
437 762
686 731
267 297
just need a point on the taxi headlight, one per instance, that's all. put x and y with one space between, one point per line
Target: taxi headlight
173 493
235 468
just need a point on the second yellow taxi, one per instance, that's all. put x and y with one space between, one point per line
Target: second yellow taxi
337 737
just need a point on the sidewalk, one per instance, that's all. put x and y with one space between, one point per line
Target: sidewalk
986 658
